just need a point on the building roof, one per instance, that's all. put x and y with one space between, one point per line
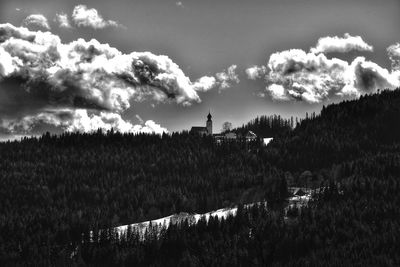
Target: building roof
251 134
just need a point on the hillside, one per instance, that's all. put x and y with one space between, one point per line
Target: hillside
57 187
352 151
342 132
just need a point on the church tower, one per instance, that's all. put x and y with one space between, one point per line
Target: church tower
209 124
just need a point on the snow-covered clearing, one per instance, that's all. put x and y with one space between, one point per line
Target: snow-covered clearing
193 218
267 140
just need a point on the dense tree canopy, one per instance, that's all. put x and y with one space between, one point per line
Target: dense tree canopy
55 188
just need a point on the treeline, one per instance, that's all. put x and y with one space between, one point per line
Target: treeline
268 126
342 132
54 188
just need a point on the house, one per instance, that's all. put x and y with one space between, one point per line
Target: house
230 136
250 136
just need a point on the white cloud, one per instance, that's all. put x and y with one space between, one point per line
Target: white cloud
90 17
45 73
36 20
256 72
179 4
277 92
369 76
7 63
63 21
313 78
227 77
204 84
394 56
306 76
343 44
80 120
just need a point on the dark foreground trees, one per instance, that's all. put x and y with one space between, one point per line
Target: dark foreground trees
53 189
354 223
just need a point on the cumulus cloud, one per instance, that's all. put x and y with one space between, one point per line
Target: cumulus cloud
83 16
277 92
63 21
80 120
312 77
205 83
226 78
36 20
94 81
256 72
369 76
315 78
343 44
394 56
306 76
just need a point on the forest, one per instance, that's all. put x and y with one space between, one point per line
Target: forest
56 189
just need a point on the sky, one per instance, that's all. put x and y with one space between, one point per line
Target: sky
151 66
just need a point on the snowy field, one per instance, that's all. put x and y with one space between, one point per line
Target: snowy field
193 218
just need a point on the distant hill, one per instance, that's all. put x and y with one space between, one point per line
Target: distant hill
352 150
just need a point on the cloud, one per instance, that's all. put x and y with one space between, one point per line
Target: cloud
312 77
226 78
83 16
36 20
39 73
306 76
394 56
256 72
80 120
369 76
343 44
205 83
63 21
277 92
6 64
179 4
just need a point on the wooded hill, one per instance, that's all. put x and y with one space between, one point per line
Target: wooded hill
56 187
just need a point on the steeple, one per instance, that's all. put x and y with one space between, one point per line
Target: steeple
209 123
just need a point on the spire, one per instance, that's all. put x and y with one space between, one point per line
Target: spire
209 115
